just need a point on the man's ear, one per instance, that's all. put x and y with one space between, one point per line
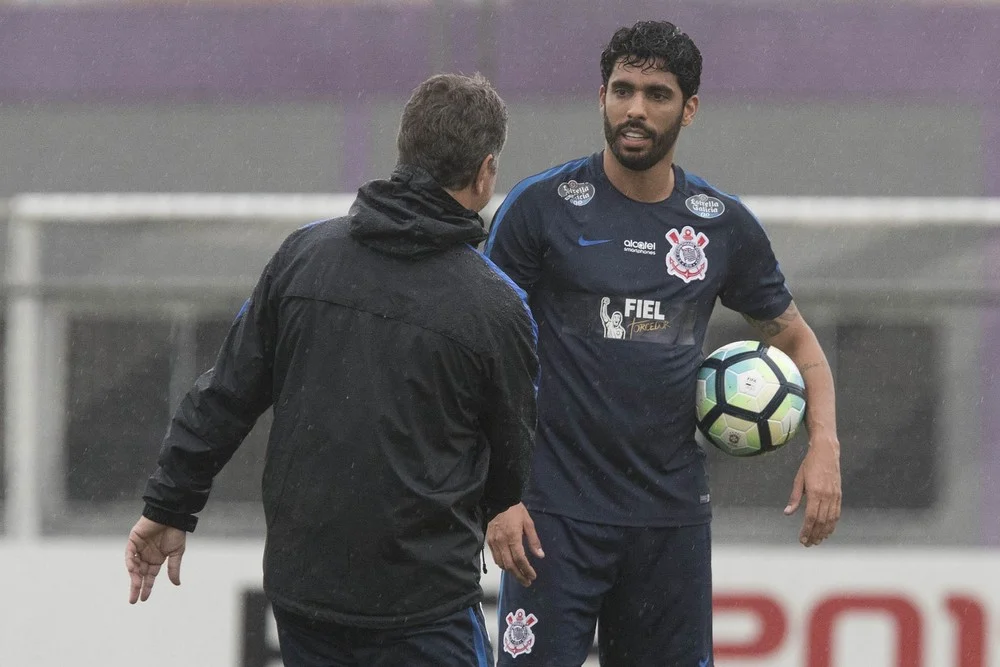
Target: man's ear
690 109
487 168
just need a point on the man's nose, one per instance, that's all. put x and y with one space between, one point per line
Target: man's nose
637 108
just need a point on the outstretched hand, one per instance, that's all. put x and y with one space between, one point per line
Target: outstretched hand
149 545
506 536
819 480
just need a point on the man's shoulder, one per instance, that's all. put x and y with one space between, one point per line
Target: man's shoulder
484 306
484 290
500 281
310 233
556 179
324 227
707 200
301 245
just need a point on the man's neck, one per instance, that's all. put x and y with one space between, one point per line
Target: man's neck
463 197
650 186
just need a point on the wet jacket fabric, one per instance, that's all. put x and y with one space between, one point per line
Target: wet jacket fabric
400 364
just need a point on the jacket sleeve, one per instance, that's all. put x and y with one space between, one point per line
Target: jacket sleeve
511 413
217 413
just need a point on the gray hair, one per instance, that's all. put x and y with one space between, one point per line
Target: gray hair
449 125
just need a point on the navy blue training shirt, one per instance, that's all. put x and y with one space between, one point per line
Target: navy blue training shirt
622 292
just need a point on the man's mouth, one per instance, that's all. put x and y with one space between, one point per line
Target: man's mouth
633 136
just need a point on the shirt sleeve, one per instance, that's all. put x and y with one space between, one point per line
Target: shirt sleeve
515 242
218 412
755 285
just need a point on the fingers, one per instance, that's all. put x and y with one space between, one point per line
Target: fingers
521 566
132 566
500 548
506 538
148 579
508 554
822 514
134 587
532 537
806 536
141 578
141 571
831 517
836 512
174 568
136 569
520 569
823 499
793 501
495 550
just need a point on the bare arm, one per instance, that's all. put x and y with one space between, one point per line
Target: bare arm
819 475
791 334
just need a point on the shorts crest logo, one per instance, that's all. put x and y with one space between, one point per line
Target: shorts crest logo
704 206
518 638
686 258
577 194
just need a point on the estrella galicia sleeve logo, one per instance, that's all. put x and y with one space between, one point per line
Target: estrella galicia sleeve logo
704 206
578 194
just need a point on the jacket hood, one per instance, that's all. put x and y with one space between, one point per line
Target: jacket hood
410 215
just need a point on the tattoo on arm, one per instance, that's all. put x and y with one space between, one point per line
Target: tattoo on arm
770 328
815 364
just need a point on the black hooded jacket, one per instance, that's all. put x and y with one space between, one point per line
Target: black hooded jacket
401 367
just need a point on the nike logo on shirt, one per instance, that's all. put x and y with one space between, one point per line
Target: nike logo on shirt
586 242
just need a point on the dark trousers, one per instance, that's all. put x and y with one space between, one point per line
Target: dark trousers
458 640
648 591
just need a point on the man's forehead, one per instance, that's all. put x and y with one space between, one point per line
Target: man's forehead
649 70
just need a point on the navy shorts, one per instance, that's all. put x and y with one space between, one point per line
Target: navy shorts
647 591
458 640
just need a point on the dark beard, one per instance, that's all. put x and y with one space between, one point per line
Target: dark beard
662 143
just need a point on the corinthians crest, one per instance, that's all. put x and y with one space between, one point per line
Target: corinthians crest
518 638
686 258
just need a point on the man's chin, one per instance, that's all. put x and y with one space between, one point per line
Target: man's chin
629 154
639 161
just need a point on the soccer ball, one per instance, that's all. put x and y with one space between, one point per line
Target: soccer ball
750 398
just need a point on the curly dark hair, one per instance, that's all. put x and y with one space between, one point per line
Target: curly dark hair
655 44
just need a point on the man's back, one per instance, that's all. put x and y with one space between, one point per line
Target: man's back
400 364
384 366
402 370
